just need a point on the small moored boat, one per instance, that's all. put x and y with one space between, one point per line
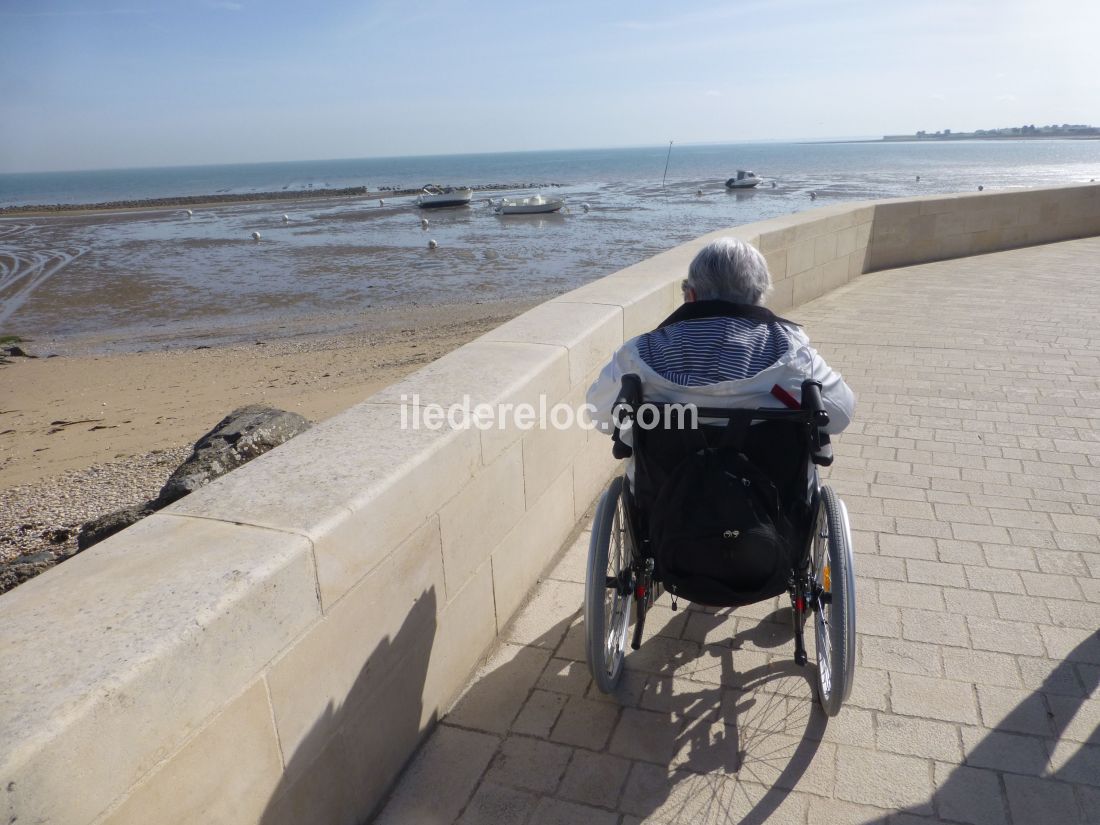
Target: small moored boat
435 196
534 205
744 180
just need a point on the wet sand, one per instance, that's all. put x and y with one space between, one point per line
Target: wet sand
75 411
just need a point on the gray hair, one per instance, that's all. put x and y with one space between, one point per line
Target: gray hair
729 270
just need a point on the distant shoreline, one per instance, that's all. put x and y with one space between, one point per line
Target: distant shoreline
950 138
184 201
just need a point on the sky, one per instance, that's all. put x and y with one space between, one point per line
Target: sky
87 84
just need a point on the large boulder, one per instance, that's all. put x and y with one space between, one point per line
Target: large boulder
240 437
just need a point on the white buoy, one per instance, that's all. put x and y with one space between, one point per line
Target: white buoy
255 236
424 223
585 207
189 212
432 244
286 218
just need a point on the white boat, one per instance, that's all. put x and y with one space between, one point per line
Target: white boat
435 196
744 180
534 205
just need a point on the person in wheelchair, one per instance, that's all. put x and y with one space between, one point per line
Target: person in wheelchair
723 347
718 506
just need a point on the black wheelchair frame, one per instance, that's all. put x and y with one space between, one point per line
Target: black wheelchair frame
821 581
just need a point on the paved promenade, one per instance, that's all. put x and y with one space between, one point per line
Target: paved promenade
972 475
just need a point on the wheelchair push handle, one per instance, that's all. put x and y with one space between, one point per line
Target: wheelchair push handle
624 409
811 401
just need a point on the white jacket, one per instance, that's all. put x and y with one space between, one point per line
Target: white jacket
800 362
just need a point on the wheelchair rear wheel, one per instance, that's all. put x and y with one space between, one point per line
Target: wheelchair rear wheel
609 589
834 606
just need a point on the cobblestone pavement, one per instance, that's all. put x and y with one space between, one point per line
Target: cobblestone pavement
972 474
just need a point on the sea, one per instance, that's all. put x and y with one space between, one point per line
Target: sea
159 278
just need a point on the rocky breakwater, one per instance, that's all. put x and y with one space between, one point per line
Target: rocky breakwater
241 436
181 201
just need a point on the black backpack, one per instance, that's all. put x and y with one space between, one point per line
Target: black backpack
718 533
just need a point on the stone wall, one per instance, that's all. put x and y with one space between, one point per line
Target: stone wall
272 648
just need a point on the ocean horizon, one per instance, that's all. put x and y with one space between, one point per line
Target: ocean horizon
691 161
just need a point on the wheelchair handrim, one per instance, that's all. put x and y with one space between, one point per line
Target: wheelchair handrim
616 602
823 643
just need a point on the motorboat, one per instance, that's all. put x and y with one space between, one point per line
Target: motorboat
744 180
533 205
433 196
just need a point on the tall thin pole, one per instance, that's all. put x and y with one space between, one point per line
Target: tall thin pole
667 158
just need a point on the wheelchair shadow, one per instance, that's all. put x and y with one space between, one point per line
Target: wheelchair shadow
743 727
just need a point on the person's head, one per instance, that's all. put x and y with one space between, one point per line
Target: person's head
728 270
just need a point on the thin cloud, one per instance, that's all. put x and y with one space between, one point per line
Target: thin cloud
225 5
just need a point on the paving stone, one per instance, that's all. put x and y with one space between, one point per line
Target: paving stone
561 812
932 698
934 572
1004 636
884 780
994 579
1002 751
1020 711
1074 762
585 723
539 714
909 547
981 667
965 794
1009 557
898 655
661 795
1075 719
870 689
565 676
908 594
918 737
502 686
530 764
443 775
852 726
1018 608
934 627
1075 644
595 779
1050 676
970 602
645 735
1032 799
495 804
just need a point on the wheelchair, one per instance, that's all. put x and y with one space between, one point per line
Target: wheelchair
626 570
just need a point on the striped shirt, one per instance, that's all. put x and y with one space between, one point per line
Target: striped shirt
705 351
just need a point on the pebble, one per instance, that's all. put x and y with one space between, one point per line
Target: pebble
33 517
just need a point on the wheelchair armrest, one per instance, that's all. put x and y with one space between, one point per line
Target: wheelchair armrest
625 407
811 400
822 454
630 395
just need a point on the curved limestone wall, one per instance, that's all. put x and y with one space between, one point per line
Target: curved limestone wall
272 648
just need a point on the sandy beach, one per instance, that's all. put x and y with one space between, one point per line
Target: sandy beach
83 434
